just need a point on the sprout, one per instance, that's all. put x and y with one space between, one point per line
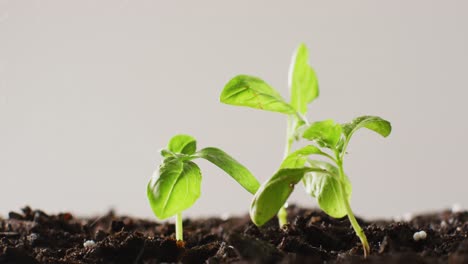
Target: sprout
176 184
324 180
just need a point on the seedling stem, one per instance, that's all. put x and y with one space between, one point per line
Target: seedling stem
352 219
282 213
179 227
282 216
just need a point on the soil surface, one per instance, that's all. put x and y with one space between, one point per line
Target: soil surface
33 236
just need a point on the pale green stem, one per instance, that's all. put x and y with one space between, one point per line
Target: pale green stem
292 119
289 136
354 223
282 216
179 228
282 213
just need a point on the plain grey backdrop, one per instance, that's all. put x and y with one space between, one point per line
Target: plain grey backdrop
91 90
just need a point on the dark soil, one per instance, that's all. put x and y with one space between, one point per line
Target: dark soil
33 236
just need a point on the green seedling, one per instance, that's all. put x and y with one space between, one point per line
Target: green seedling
327 182
176 184
250 91
323 180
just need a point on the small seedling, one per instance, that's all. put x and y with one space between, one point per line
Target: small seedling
325 181
176 184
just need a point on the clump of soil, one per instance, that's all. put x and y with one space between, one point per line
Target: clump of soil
33 236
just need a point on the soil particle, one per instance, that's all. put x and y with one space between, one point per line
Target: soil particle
253 249
33 236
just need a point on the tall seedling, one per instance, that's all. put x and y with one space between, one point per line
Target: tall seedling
250 91
325 181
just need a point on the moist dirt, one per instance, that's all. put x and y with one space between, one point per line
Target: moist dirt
33 236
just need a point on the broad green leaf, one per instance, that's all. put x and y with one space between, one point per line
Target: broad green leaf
174 187
184 144
374 123
274 193
326 133
328 188
244 90
298 158
302 80
232 167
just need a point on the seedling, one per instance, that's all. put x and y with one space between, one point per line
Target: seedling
323 180
250 91
176 184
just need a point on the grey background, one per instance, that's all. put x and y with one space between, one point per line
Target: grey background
90 90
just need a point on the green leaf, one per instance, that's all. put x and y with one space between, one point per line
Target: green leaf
374 123
302 80
174 187
184 144
166 153
298 158
232 167
328 188
326 133
244 90
273 194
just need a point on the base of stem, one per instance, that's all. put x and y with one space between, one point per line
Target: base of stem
282 217
179 230
357 228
